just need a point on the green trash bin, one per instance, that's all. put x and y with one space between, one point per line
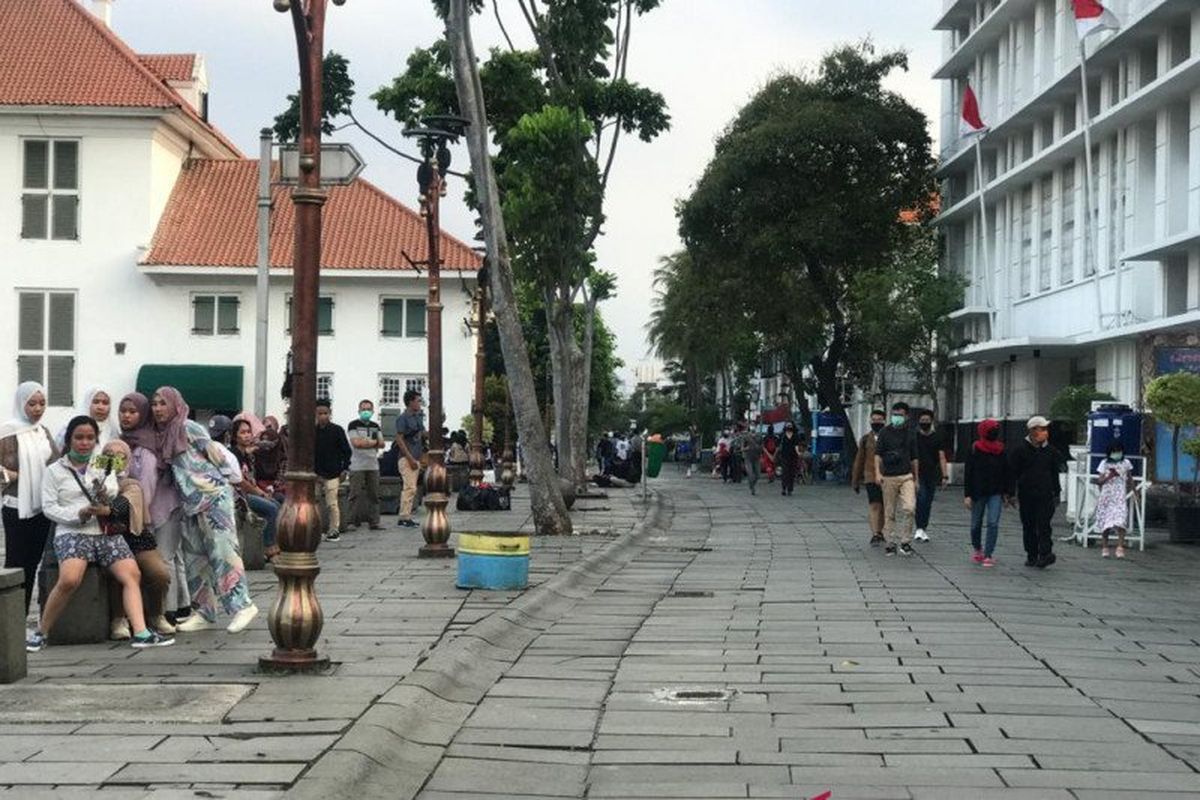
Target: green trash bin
656 454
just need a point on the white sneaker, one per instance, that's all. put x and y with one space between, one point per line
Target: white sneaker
161 625
920 535
193 623
119 631
243 618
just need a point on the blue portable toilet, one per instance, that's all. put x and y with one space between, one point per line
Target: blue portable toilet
828 433
1114 422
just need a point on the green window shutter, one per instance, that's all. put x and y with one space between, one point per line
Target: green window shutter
415 322
65 219
33 216
325 316
60 380
31 312
62 321
29 368
66 165
393 317
37 165
203 314
227 315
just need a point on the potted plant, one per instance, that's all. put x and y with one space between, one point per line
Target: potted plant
1174 400
1072 404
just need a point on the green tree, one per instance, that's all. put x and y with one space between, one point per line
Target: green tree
804 197
1174 399
337 94
1073 403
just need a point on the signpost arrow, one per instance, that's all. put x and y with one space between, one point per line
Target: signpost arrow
340 163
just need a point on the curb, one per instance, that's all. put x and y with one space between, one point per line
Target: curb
394 747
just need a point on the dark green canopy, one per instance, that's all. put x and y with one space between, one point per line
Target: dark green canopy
202 386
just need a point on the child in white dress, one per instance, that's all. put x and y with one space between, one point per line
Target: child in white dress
1112 509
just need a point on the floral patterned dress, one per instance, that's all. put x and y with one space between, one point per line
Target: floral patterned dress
1111 507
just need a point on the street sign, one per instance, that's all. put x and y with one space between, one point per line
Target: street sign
340 163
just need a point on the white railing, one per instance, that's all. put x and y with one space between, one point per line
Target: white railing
1084 509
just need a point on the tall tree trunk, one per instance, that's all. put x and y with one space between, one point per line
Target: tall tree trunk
582 397
561 329
549 511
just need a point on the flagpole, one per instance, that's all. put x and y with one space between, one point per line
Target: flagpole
989 277
1090 224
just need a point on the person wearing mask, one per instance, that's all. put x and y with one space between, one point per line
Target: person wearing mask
1112 506
897 468
986 487
748 447
80 498
770 446
1035 466
331 460
26 450
211 556
366 440
97 404
788 457
256 498
164 516
130 518
410 428
862 473
934 472
271 460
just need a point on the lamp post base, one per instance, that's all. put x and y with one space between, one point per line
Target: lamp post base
435 551
291 663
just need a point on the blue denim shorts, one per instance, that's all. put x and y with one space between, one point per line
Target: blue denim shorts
95 549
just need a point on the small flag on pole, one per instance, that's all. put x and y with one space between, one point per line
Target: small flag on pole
1092 17
971 123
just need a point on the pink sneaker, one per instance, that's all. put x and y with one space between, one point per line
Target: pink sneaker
977 557
988 561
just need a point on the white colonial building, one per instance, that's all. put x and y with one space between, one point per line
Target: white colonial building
1042 309
128 240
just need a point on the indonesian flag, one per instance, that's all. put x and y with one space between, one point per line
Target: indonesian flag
971 123
1092 17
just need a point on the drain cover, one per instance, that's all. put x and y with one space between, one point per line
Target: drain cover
694 696
695 549
687 593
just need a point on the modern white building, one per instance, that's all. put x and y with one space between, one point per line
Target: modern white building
1043 308
128 240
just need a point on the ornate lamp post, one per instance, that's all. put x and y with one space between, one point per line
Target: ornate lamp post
480 326
296 619
431 178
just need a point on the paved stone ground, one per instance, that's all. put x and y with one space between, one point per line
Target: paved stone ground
875 677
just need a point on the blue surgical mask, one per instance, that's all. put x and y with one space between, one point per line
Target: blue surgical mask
899 419
365 415
1116 455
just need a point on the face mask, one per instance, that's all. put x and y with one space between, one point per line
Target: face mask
1116 456
925 426
876 427
992 435
78 458
365 415
898 419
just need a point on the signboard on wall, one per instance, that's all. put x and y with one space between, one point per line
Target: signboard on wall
1166 361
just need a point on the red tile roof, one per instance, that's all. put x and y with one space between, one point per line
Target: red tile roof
170 66
211 221
56 53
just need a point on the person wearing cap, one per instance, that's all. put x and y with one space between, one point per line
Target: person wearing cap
1035 466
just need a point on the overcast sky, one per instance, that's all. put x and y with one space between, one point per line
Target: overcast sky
706 56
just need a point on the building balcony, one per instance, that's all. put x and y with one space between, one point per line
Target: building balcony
993 25
954 14
1175 245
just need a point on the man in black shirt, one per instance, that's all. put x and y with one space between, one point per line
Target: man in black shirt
896 466
331 459
931 457
1035 466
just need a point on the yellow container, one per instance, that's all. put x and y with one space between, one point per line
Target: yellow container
489 544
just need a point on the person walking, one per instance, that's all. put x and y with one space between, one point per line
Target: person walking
410 428
934 472
987 485
331 460
749 449
1112 506
862 473
899 476
366 440
211 553
788 457
1035 466
26 450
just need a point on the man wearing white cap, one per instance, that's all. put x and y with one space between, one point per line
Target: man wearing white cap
1035 467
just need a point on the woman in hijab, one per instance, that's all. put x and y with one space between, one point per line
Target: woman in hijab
26 449
131 518
210 544
987 484
97 404
271 457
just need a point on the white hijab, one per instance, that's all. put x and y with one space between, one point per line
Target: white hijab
109 429
33 450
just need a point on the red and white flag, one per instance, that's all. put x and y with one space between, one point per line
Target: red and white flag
971 123
1092 17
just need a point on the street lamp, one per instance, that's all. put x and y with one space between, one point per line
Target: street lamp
296 619
434 139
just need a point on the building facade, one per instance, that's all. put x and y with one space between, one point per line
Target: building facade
128 241
1053 299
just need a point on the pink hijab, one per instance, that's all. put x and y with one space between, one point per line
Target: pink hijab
171 436
143 435
256 425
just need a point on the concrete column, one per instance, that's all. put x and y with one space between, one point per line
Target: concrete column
12 625
1193 201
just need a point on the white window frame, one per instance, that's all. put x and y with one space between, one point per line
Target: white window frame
45 352
406 380
50 192
404 300
216 324
327 378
